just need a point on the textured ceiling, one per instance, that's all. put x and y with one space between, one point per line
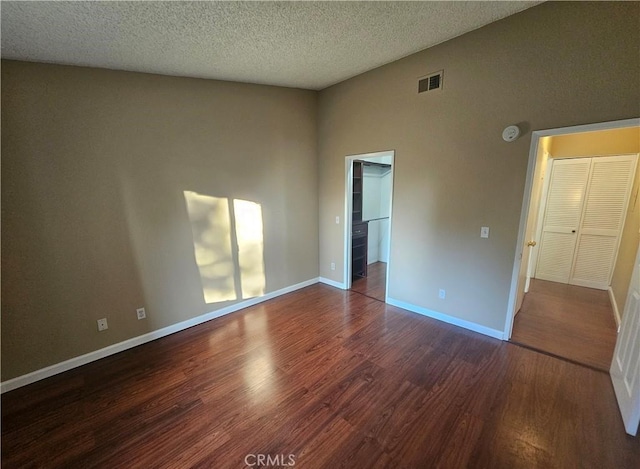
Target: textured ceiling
297 44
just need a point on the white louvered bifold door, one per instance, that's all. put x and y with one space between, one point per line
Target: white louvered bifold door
605 206
562 215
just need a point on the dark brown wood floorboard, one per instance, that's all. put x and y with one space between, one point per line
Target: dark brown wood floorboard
375 283
334 378
572 322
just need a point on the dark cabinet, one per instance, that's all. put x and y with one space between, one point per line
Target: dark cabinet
357 191
359 228
359 245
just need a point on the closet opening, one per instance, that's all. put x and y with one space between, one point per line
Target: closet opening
367 240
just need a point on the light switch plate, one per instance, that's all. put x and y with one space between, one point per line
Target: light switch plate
484 232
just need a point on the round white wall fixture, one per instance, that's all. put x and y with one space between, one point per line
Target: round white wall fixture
510 133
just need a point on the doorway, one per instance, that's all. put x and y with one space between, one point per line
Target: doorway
565 300
368 214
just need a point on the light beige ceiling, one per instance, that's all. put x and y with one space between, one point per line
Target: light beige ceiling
296 44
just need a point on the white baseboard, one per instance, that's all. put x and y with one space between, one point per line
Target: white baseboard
614 306
333 283
590 284
135 341
472 326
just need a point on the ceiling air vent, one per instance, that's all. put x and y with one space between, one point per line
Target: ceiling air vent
430 82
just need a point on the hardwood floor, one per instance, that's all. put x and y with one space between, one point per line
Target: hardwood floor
572 322
332 377
374 284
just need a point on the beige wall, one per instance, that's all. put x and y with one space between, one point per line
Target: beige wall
555 65
94 219
606 143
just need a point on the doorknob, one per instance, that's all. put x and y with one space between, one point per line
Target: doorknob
531 243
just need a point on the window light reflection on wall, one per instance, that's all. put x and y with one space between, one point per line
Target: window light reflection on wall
228 245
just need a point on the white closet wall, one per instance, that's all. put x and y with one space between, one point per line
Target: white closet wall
370 194
371 211
376 207
385 210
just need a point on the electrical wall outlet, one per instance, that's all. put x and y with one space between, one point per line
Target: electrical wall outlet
102 324
141 313
484 232
442 294
333 266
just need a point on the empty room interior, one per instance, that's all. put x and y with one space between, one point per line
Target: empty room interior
320 234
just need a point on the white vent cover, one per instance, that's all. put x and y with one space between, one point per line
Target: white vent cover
431 82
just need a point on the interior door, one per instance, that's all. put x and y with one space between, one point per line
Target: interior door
605 207
567 187
625 368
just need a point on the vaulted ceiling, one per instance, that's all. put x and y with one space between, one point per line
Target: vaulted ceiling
296 44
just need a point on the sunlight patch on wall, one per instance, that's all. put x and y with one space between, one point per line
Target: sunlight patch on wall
211 229
248 217
228 246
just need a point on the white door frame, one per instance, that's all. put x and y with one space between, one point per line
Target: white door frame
348 202
536 135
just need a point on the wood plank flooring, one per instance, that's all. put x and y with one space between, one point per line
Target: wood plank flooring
572 322
332 377
375 283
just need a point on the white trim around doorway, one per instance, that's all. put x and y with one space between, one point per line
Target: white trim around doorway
348 202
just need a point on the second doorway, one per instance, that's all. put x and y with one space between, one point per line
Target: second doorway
369 189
